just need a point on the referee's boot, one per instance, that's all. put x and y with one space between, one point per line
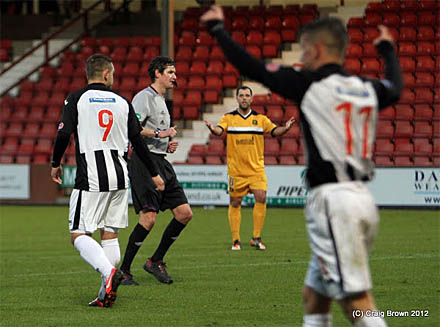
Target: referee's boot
259 245
128 279
158 270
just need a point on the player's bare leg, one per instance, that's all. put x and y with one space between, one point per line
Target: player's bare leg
234 217
361 310
259 215
316 308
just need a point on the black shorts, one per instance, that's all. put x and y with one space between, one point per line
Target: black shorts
143 190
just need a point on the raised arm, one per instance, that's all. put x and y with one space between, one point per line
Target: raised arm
388 90
282 80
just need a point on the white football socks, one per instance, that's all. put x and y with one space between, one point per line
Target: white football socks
112 251
370 322
93 254
318 320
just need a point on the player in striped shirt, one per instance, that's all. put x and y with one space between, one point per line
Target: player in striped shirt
103 123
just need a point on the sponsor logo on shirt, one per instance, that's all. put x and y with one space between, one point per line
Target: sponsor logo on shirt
102 100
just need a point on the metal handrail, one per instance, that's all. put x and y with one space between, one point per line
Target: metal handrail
45 42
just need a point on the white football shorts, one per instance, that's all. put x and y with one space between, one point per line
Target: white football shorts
342 221
89 211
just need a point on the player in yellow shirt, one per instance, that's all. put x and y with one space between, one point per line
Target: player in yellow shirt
245 130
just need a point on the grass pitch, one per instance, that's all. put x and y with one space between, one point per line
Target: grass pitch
44 282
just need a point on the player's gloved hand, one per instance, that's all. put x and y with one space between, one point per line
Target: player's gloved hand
172 146
160 185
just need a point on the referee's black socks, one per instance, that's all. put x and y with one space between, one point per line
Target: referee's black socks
169 236
135 240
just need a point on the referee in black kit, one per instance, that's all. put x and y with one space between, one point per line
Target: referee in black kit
103 123
338 115
152 112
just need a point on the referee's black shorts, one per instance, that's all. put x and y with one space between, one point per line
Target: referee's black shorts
143 190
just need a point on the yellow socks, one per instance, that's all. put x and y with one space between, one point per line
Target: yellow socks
259 216
234 216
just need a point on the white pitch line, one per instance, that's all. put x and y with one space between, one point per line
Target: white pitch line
301 262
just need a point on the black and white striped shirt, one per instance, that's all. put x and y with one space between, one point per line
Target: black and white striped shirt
102 122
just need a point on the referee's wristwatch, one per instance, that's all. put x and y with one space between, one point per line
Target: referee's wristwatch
156 133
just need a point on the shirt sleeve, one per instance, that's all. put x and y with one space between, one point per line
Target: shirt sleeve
268 125
223 123
134 126
286 81
140 105
388 90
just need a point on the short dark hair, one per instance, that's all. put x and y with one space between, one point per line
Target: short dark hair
335 36
243 87
159 63
96 64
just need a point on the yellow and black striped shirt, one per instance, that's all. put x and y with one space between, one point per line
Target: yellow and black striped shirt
245 141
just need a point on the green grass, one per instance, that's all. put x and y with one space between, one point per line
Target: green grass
44 282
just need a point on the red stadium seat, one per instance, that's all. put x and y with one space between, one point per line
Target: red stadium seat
353 65
53 114
48 130
270 160
355 35
210 96
425 33
151 52
198 150
44 146
373 19
275 113
422 161
270 51
254 51
190 112
425 63
424 95
356 22
178 97
20 114
384 129
374 7
23 159
49 71
215 67
135 54
216 147
273 23
436 129
32 130
409 79
354 51
407 64
370 65
422 129
62 84
187 38
182 68
6 159
422 146
195 83
201 52
119 54
24 99
409 5
239 37
45 84
213 160
27 85
391 19
10 146
230 80
256 23
404 112
271 147
198 68
407 49
127 84
305 19
214 83
195 160
407 96
190 24
216 53
289 146
370 34
424 79
425 48
423 112
384 147
240 23
275 98
138 41
403 146
407 34
428 5
272 37
287 160
131 69
193 98
36 114
403 129
402 161
408 19
204 38
5 114
383 161
229 69
57 99
254 38
291 111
